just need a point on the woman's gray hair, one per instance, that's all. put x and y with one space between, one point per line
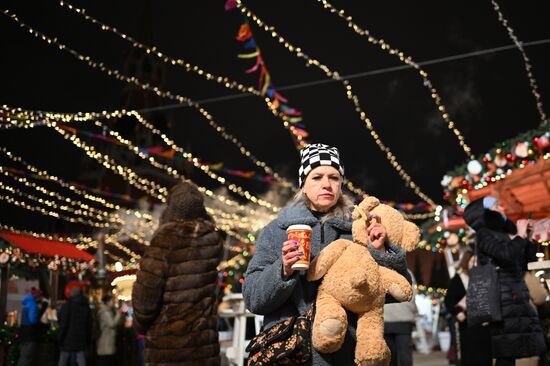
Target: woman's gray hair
342 209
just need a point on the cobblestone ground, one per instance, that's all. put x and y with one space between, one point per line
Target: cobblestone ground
435 358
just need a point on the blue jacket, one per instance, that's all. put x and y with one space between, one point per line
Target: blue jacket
29 314
267 293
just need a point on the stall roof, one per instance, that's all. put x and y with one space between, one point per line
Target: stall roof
46 247
524 191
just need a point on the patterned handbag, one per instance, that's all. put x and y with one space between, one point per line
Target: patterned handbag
286 343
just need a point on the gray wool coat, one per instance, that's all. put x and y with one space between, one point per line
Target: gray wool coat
267 293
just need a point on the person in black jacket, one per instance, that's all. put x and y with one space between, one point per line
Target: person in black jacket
519 334
75 328
474 342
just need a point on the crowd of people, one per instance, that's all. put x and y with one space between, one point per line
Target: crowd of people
175 295
81 332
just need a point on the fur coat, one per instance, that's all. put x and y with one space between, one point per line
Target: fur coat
174 296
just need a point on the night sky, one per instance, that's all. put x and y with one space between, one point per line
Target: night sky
487 96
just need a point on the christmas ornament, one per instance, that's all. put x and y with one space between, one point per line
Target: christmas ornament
543 141
446 180
500 161
452 239
522 149
474 167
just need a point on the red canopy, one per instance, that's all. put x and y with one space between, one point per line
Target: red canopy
46 247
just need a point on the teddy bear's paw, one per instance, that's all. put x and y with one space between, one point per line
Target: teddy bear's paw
331 328
328 336
375 352
398 293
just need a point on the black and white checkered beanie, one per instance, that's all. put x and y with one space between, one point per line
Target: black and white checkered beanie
315 155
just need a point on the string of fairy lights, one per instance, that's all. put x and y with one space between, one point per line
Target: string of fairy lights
11 200
84 209
528 66
110 163
416 215
53 205
88 242
222 80
114 220
183 100
171 171
19 118
139 238
126 173
297 51
145 86
25 118
45 175
236 219
409 61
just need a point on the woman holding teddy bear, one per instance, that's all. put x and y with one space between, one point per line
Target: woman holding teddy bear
272 287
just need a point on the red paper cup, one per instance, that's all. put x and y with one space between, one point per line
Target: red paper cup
301 234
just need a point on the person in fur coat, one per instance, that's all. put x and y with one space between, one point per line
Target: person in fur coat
519 334
174 296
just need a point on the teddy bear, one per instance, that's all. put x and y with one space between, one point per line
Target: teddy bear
352 280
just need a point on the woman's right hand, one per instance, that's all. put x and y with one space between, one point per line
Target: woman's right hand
290 254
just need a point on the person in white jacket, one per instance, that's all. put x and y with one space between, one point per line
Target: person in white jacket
108 318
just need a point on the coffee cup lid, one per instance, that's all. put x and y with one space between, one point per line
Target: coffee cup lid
299 227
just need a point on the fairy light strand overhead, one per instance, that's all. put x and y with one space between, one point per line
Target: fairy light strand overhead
175 174
526 61
167 94
169 170
134 179
145 86
25 119
22 118
222 80
105 159
186 101
141 183
297 51
43 174
272 103
364 32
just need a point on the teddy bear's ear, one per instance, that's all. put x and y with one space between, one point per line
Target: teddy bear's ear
369 203
411 236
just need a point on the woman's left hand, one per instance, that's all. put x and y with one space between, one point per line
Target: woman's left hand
377 233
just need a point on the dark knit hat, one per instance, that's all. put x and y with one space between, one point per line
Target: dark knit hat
185 202
315 155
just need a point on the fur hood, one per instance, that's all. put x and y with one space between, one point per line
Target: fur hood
477 217
171 234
